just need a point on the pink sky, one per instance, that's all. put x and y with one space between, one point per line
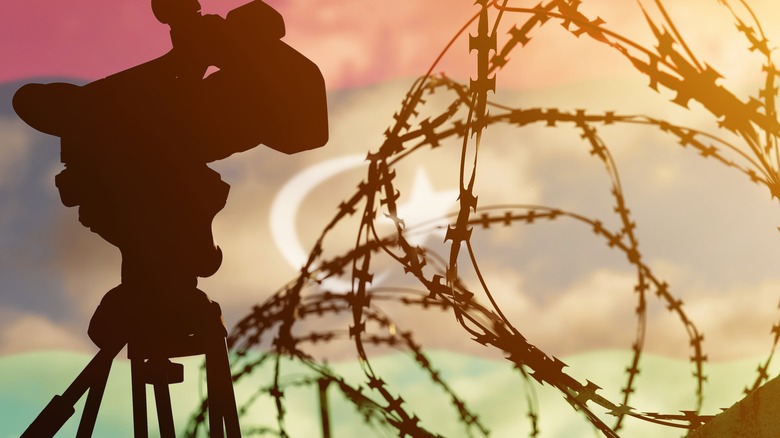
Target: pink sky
354 42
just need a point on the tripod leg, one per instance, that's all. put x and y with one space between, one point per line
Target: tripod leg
324 411
162 397
51 418
216 401
60 408
140 428
220 388
94 397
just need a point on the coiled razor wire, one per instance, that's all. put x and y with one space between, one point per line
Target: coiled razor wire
670 64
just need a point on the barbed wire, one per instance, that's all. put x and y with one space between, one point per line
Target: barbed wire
272 330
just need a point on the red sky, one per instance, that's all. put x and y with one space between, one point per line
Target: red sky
354 42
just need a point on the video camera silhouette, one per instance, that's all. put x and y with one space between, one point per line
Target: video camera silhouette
264 92
135 144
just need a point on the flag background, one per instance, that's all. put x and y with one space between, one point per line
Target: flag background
705 229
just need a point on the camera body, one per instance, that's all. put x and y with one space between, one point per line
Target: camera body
136 143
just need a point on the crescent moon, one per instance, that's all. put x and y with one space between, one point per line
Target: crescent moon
284 210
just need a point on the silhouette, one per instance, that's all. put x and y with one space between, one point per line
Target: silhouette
136 146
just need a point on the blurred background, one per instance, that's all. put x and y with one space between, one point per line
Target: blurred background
709 232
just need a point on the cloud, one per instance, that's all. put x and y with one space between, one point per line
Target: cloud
737 322
15 152
86 266
595 313
29 332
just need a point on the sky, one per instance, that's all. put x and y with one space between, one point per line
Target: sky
706 230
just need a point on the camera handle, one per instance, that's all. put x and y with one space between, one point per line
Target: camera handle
174 11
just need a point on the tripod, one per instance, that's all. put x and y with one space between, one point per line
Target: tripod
150 364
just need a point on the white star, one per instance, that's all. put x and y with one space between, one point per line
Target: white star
424 204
